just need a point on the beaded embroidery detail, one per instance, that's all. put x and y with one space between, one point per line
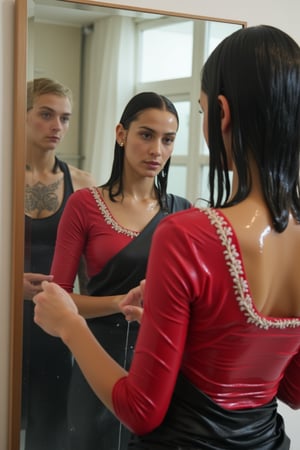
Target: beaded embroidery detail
241 290
108 217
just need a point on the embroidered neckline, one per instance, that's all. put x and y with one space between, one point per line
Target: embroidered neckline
235 268
108 217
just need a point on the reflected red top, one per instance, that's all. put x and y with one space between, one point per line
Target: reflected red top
86 228
199 318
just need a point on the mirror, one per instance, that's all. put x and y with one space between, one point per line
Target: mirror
75 26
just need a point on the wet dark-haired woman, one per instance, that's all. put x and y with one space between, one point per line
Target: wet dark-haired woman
112 226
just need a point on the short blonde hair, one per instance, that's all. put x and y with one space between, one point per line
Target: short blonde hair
42 86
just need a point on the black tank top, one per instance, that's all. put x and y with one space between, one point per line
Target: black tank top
40 234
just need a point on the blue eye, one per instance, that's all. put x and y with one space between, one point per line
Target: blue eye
45 115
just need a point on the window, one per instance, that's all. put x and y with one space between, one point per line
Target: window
171 53
166 44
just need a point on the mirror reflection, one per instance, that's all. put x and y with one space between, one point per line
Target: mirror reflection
104 56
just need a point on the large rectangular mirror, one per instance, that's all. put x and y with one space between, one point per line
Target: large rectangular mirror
105 54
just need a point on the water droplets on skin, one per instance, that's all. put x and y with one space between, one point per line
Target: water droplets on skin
263 235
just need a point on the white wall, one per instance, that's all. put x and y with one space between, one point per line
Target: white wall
283 14
62 65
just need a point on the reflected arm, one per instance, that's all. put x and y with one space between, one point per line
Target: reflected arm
77 235
90 307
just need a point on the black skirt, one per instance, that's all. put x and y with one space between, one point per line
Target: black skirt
195 422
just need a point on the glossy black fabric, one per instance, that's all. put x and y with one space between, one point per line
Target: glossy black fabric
195 422
47 362
92 426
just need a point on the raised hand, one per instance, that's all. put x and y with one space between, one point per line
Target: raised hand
54 309
132 304
32 283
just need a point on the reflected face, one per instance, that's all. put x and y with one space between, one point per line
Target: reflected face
48 121
149 142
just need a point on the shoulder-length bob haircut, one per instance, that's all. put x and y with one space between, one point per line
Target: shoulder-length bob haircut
258 70
138 104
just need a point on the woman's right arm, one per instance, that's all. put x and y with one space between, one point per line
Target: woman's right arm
70 243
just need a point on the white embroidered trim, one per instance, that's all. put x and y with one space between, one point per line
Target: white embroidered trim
235 268
108 217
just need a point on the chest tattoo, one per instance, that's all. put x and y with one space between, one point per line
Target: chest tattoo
42 197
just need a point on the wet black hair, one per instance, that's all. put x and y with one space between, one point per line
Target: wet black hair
258 70
138 104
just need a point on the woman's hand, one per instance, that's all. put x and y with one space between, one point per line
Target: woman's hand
32 283
132 303
54 309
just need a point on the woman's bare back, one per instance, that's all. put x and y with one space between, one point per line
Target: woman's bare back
271 259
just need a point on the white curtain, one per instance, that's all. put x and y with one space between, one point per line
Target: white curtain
109 71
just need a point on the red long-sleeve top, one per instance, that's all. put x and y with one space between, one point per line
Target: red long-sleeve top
199 318
86 228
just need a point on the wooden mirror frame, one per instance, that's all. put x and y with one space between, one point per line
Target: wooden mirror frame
17 252
18 161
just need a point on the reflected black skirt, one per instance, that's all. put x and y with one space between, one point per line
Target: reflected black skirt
195 422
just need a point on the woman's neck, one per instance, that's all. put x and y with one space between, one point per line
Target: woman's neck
140 190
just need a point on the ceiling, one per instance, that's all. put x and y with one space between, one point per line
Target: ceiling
75 14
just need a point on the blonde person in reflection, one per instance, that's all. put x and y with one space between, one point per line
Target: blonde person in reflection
48 184
112 225
219 340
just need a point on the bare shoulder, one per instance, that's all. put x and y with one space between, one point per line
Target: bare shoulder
81 178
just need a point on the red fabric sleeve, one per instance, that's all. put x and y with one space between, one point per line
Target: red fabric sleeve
69 242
